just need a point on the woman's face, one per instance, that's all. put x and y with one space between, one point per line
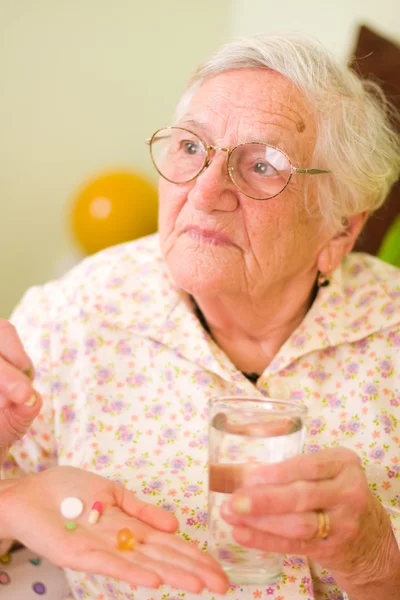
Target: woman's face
215 239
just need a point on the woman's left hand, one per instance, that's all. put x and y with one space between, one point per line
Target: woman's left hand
278 510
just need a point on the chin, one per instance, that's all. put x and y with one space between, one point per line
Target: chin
198 277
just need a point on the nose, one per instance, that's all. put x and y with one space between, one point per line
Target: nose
213 188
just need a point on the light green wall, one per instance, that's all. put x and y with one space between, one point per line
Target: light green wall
82 84
335 22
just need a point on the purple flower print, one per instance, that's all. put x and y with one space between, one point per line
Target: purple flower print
377 453
56 387
124 348
352 368
388 309
69 355
104 374
299 341
225 554
385 365
169 433
117 406
115 282
370 389
90 344
395 401
327 579
353 426
68 414
362 345
112 592
178 463
190 521
125 434
334 401
202 378
296 561
91 427
192 488
102 461
306 581
111 309
169 506
315 426
394 337
44 343
334 300
202 517
313 448
137 380
386 422
318 375
156 410
156 485
298 395
356 269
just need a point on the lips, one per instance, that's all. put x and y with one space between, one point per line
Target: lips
210 236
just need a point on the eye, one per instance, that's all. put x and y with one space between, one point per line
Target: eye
190 147
265 169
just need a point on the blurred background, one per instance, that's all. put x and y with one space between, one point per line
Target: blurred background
84 82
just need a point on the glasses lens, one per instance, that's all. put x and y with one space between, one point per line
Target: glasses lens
260 171
178 154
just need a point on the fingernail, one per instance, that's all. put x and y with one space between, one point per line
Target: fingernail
241 504
29 372
31 401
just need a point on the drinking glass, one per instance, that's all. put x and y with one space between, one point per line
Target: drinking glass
245 433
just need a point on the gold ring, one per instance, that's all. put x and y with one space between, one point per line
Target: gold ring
324 525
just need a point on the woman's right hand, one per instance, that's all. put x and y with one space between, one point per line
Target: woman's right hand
19 402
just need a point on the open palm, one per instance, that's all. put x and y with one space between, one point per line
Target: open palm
32 506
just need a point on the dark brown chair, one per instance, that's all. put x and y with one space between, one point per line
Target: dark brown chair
377 58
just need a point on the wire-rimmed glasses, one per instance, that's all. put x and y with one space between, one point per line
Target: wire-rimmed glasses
260 171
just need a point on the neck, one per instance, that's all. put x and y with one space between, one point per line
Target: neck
252 330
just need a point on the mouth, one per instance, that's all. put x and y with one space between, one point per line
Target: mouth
208 236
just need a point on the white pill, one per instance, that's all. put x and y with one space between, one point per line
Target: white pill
71 508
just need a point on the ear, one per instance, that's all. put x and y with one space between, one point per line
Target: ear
332 254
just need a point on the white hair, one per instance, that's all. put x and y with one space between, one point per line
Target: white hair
356 135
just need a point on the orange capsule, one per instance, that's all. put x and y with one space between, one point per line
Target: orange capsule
125 539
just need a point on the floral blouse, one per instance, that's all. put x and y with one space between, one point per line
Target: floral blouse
126 370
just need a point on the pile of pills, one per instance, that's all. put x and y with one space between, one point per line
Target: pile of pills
71 508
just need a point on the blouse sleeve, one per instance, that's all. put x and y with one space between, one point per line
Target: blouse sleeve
36 451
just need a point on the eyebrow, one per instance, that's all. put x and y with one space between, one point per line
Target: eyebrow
273 140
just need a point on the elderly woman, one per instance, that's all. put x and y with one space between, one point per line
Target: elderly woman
275 159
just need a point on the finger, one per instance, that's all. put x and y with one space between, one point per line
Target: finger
182 567
301 526
12 350
109 564
155 516
297 497
179 545
22 415
158 560
15 386
326 464
251 538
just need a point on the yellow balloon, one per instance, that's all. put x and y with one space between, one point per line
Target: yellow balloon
114 208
